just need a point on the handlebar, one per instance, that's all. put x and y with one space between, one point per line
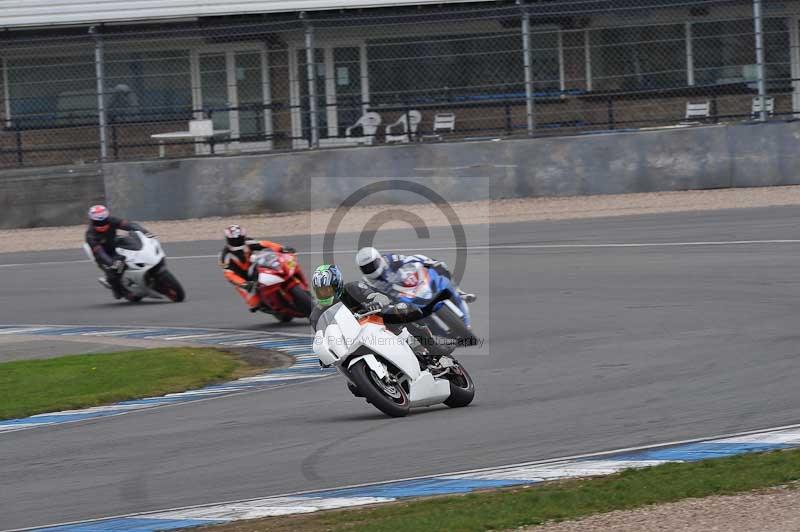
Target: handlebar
365 314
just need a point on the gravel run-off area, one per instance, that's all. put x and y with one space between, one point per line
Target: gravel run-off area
771 510
481 212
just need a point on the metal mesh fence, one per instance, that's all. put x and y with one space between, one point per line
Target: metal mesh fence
227 85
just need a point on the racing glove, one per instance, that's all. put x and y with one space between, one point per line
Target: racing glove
401 313
118 266
373 305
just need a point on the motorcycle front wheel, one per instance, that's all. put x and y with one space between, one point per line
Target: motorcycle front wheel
389 398
462 389
303 302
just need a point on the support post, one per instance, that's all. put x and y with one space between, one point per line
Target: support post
689 55
587 53
20 151
311 73
794 47
102 118
762 85
527 62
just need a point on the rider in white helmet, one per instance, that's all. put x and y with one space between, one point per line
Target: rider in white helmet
379 269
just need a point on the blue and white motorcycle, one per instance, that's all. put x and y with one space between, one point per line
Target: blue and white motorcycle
449 323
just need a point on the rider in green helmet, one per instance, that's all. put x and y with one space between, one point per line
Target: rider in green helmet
331 290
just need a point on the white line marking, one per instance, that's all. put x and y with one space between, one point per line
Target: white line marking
492 247
568 469
247 342
277 335
188 336
271 507
23 330
109 333
469 167
51 263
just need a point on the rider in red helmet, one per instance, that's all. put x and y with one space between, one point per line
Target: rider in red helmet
235 261
101 235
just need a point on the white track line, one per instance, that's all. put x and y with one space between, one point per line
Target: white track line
609 245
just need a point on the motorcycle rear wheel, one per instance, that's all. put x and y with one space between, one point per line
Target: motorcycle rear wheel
462 389
167 284
392 400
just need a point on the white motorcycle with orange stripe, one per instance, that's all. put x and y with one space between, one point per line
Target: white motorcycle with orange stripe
382 367
145 274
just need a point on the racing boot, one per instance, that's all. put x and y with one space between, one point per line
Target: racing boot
115 283
117 291
468 298
104 282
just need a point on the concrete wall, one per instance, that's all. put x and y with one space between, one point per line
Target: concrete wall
49 197
740 155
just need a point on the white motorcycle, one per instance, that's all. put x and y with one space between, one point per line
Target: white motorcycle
145 272
382 367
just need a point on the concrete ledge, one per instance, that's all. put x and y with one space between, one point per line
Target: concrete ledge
50 196
741 155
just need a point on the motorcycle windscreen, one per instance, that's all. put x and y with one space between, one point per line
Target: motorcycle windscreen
131 242
347 322
268 279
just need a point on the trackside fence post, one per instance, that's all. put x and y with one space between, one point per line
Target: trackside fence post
526 51
311 74
762 86
102 118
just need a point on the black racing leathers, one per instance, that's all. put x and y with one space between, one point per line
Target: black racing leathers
358 296
103 245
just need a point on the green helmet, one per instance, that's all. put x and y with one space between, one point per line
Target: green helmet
328 284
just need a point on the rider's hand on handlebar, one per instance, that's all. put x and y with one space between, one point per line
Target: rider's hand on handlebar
373 305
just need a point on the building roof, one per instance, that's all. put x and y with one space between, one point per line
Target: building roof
29 13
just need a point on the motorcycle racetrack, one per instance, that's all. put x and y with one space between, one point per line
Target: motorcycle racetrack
602 334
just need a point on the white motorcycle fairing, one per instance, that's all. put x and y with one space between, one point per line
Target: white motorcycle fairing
345 342
138 263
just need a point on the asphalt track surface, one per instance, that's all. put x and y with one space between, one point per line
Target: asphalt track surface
590 348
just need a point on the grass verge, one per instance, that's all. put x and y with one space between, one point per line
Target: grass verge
30 387
512 508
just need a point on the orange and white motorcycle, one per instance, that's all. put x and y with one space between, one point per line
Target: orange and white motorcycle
382 367
281 285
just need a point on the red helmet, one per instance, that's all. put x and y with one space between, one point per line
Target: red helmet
235 236
98 215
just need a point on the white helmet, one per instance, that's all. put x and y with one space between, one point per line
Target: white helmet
370 262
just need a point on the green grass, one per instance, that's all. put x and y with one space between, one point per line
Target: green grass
35 386
508 509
